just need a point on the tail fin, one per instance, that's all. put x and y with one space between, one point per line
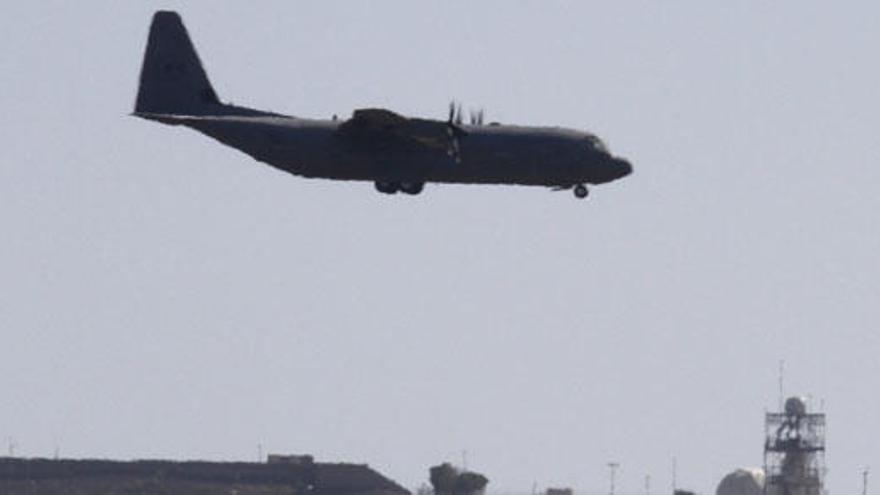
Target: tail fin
172 78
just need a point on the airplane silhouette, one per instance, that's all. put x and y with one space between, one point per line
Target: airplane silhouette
397 153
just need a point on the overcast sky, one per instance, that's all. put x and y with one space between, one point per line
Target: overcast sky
162 296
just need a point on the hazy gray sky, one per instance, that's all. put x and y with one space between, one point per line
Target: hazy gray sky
164 296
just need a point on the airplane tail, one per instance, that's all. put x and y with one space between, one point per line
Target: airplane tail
172 78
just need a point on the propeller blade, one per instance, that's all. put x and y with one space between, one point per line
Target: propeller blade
476 117
454 131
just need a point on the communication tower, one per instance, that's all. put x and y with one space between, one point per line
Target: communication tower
794 450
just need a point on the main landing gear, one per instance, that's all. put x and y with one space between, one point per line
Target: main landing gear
581 191
411 188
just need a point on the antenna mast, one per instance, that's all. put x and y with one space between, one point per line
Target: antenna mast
612 466
674 475
781 383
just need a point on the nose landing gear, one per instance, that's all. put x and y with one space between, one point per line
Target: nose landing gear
581 191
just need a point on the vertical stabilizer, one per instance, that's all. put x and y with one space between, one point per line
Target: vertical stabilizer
172 78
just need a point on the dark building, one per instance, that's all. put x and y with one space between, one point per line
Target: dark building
283 475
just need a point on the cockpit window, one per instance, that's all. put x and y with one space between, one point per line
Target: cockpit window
596 144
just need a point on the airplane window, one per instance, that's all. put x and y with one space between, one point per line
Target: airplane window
597 144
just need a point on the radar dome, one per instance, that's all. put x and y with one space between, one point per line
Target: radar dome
742 482
796 406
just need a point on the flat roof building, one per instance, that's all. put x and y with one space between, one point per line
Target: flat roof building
280 477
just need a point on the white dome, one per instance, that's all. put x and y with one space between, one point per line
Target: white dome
742 482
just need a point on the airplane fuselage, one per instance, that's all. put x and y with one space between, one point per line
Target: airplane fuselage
489 154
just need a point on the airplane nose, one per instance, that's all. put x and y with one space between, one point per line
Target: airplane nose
624 167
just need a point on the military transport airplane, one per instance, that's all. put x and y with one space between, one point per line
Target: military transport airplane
397 153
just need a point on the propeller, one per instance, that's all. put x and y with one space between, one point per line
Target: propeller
454 131
455 113
477 117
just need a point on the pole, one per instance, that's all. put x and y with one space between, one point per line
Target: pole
612 466
674 475
781 384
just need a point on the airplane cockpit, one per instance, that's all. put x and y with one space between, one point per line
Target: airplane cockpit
596 144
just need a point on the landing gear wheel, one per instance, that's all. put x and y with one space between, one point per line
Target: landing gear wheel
387 187
581 191
412 188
